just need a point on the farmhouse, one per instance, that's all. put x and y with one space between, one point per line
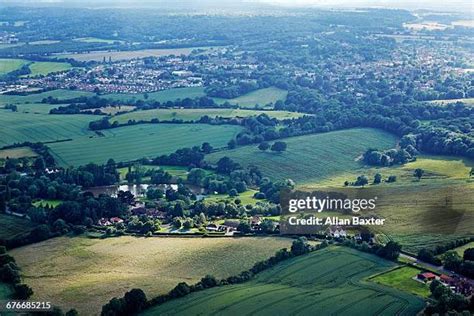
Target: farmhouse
426 276
337 232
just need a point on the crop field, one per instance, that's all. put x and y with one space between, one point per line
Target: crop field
8 65
260 97
160 96
134 142
17 152
45 67
127 55
37 97
402 279
44 42
21 127
331 281
313 157
13 226
71 272
196 114
95 40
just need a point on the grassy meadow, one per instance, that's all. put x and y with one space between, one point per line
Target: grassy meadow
260 97
312 158
44 68
137 141
331 280
17 152
9 65
37 97
402 278
460 250
71 272
196 114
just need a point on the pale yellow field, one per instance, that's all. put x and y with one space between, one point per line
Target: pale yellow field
17 152
86 273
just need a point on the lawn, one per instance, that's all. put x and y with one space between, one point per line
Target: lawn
17 127
9 65
137 141
45 67
402 279
196 114
261 97
17 152
160 96
86 273
45 202
175 171
13 226
331 281
128 55
312 158
245 198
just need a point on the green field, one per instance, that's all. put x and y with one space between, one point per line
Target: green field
313 157
402 279
9 65
260 97
331 281
21 127
175 171
37 97
460 250
137 141
85 273
196 114
44 42
95 40
13 226
245 198
45 67
128 55
467 101
17 152
44 203
160 96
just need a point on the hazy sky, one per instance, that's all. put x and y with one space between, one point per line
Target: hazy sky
439 5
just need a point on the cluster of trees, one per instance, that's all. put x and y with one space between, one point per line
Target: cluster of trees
231 90
447 302
390 251
389 157
431 255
364 180
133 302
462 265
10 274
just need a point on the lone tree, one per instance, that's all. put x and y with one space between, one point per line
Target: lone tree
418 173
377 178
279 146
264 146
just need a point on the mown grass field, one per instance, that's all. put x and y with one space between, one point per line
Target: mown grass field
13 226
245 198
37 97
160 96
8 65
20 127
330 281
44 68
45 203
175 171
196 114
127 55
86 273
137 141
17 152
467 101
402 279
260 97
312 158
95 40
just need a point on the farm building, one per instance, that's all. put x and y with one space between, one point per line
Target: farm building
426 276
